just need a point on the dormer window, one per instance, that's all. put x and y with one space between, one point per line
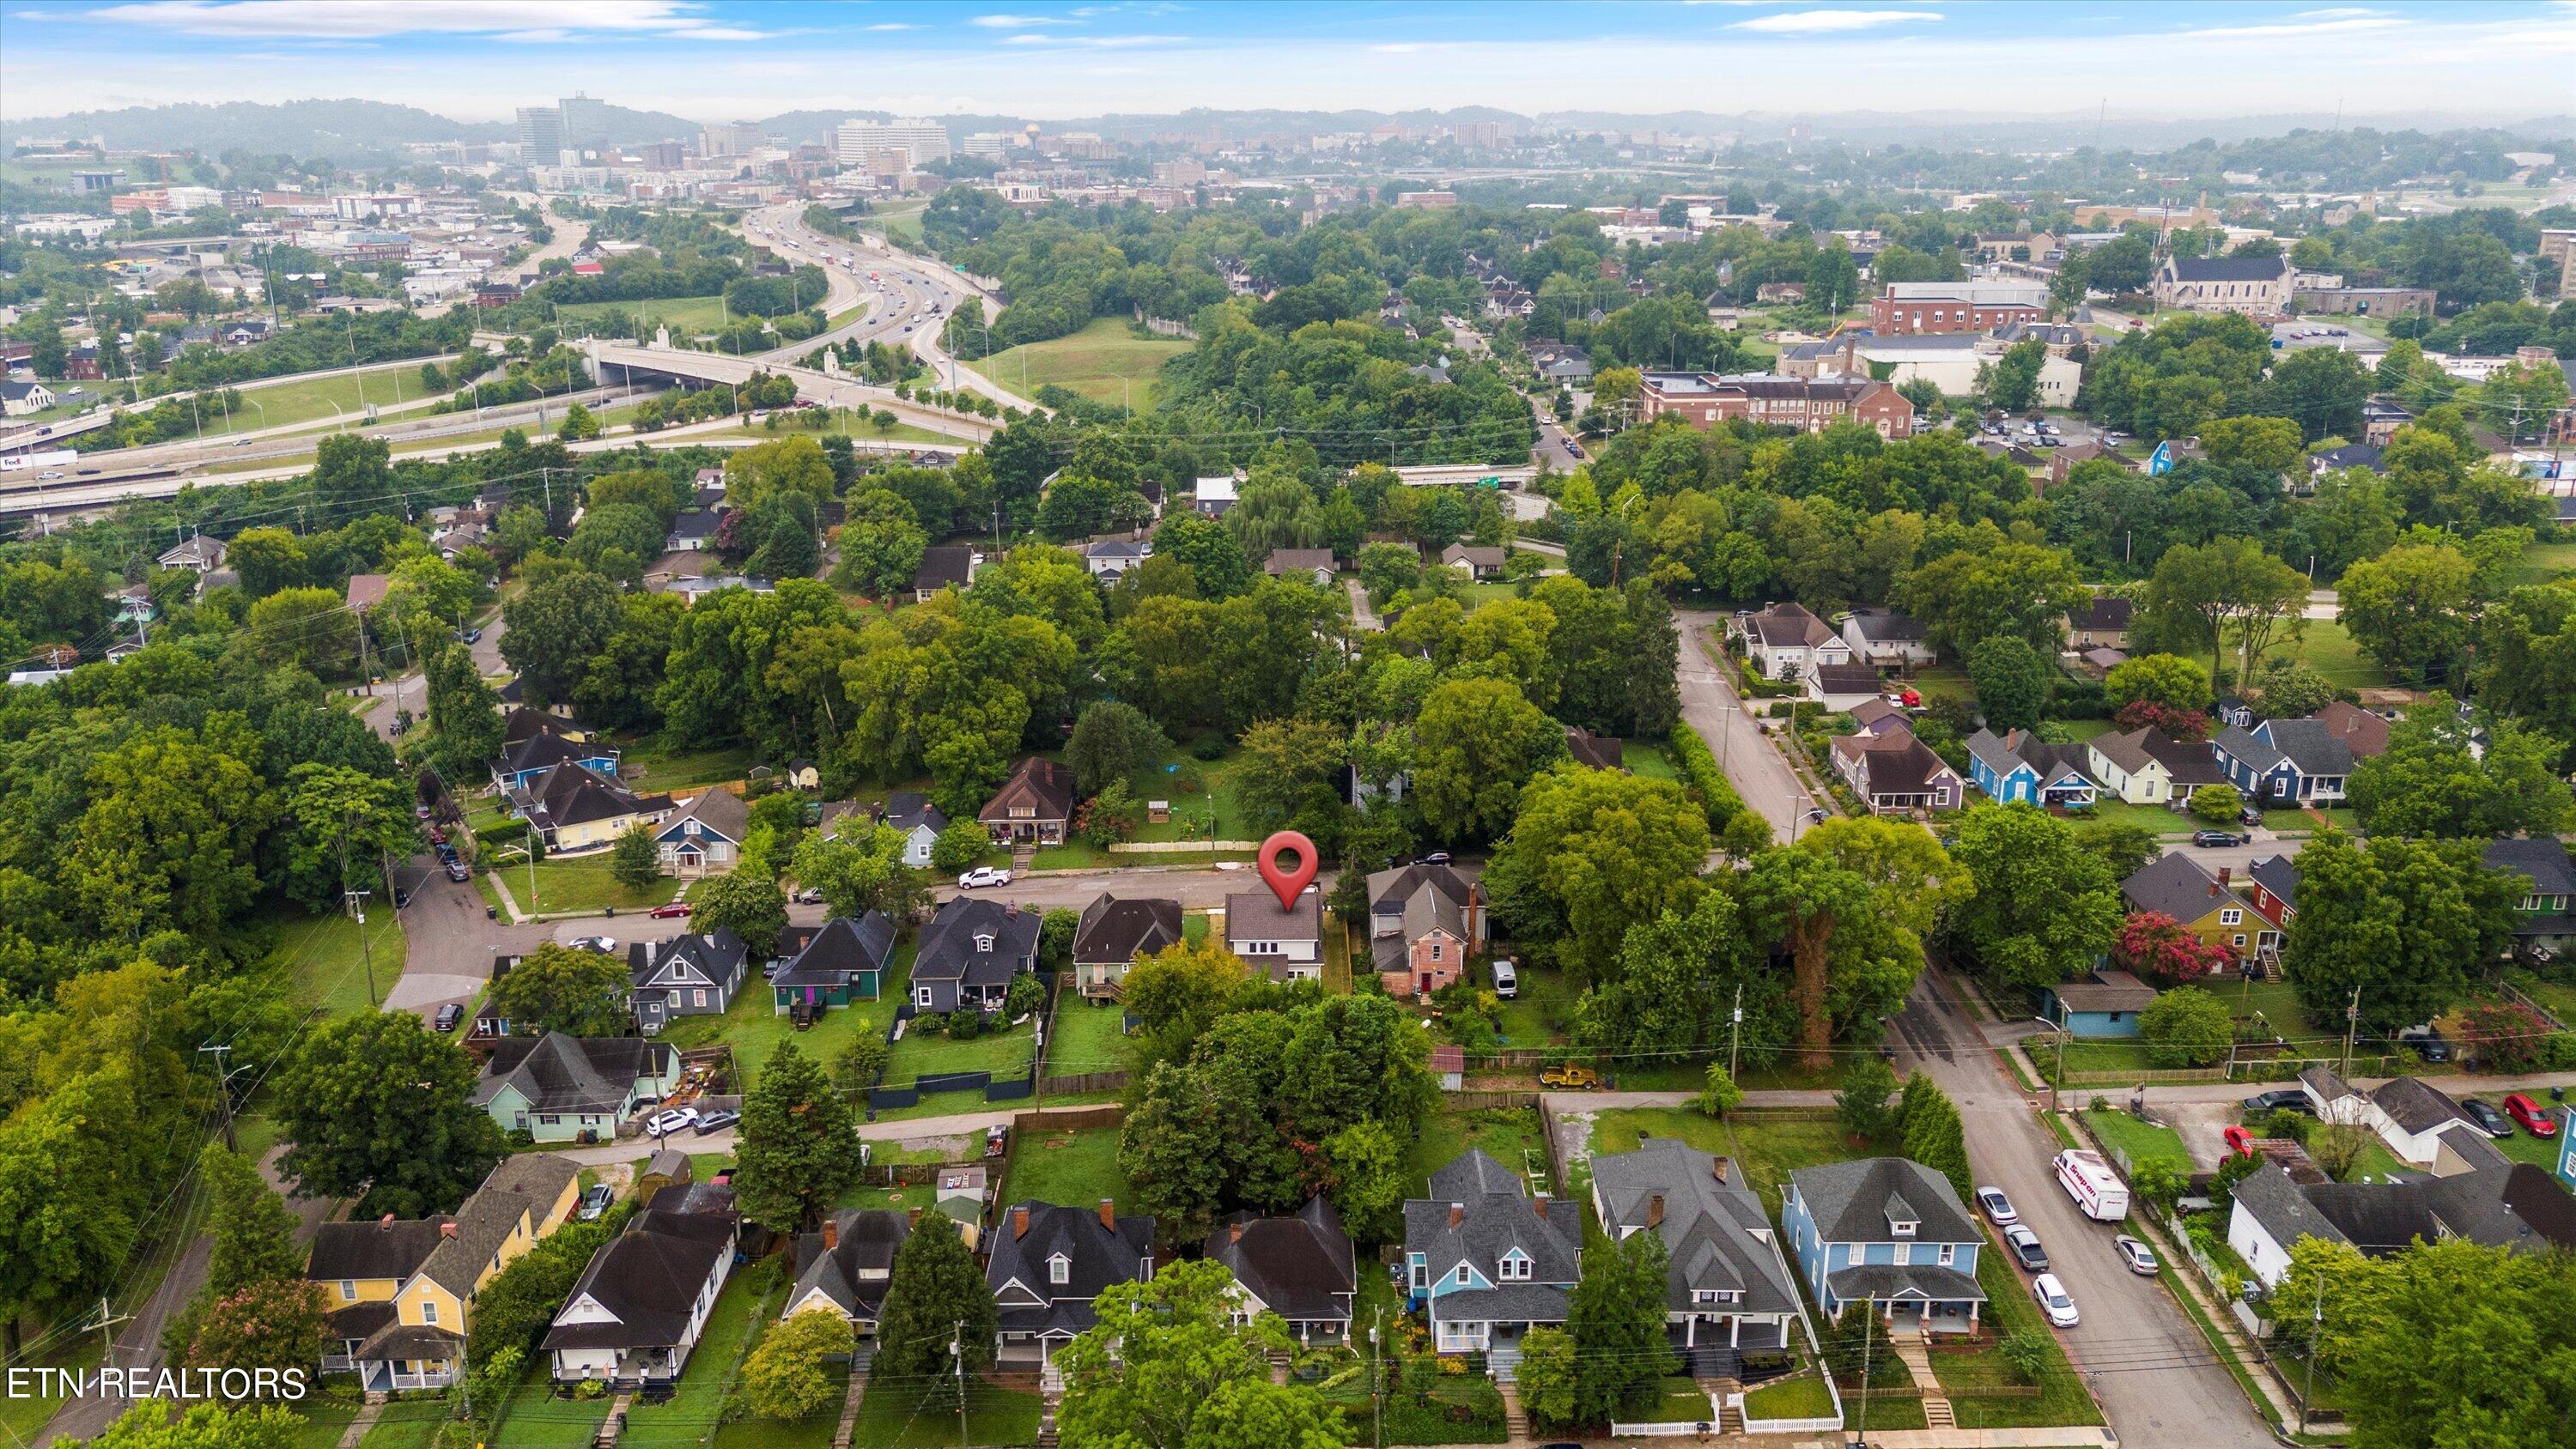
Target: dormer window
1515 1267
1900 1229
1461 1278
1059 1270
984 941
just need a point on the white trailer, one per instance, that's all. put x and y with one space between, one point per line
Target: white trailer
2094 1186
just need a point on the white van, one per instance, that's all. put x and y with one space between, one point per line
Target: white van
2096 1189
1507 980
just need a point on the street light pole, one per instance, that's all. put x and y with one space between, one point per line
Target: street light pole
2060 1074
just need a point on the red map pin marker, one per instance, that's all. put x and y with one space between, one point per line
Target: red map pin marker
1288 882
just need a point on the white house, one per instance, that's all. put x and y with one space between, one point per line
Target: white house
1886 639
1288 943
1784 639
642 1302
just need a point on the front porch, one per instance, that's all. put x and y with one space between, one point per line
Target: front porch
1910 1297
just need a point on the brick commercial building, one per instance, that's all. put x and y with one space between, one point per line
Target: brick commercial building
2366 301
1807 404
2256 286
1908 307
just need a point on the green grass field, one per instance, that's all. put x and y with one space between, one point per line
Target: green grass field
754 1028
1768 1151
843 425
581 883
2139 1140
901 224
1105 362
321 399
691 1415
1069 1169
2330 649
919 1054
1511 1138
327 966
1085 1038
891 1418
682 315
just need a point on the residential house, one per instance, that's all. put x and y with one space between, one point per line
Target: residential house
2146 766
1486 1262
1213 496
2501 1204
1300 1267
573 807
1314 565
1894 773
2350 455
1047 1265
1841 688
969 953
846 1267
367 590
945 566
1727 1284
1561 363
401 1291
2364 733
693 530
643 1300
1033 805
2101 622
705 836
1781 641
1113 934
2285 761
2542 925
563 1088
1890 1233
2206 905
688 975
19 399
1595 752
1425 922
2424 1128
1886 639
532 743
1879 717
1113 558
842 961
688 589
920 821
1482 564
1287 942
2021 766
2256 286
2272 889
2104 1005
1914 307
196 553
2172 453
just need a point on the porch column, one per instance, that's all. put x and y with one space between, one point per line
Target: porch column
1690 1331
1735 1331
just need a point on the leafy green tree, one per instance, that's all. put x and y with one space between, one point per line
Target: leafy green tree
148 1425
1168 1364
1369 1181
268 559
2218 804
556 626
2042 911
2271 446
252 1228
1928 1124
2168 681
2011 680
1615 1316
310 629
2199 594
1286 762
881 544
1849 956
378 1104
799 1152
465 726
1976 593
1476 743
788 1378
558 988
1549 1376
1678 979
346 824
1861 1106
635 861
1718 1093
147 857
1177 992
2431 782
1111 741
2187 1027
2431 1342
1590 853
275 1323
935 1291
2402 922
747 901
959 846
2011 382
1172 1150
859 868
2408 608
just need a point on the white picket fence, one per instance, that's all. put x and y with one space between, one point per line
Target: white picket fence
1669 1428
1753 1425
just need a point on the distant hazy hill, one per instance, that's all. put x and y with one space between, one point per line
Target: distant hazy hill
341 129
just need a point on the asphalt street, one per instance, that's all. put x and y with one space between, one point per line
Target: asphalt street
1712 707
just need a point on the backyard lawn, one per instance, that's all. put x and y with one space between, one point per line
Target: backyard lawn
1539 1014
755 1026
921 1054
1510 1137
404 1424
536 1419
1647 760
2330 649
1105 362
580 883
1767 1150
996 1417
326 964
1070 1169
691 1414
2138 1140
651 766
1085 1038
2009 1310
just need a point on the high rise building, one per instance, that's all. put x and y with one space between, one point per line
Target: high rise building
855 142
541 135
731 138
585 122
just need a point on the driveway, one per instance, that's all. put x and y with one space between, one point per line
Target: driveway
2130 1325
1749 759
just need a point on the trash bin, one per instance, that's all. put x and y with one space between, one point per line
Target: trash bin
491 913
608 910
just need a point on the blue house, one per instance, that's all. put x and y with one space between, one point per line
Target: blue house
2567 1146
531 745
2172 453
2021 766
2106 1006
2286 761
1888 1232
1486 1261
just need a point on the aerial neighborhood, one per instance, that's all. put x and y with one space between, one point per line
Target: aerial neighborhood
1128 759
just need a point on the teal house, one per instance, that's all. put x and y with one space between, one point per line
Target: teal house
834 964
559 1088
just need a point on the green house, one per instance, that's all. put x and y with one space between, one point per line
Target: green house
834 964
559 1088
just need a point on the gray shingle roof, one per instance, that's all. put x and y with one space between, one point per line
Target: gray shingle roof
2415 1106
1495 1217
2228 269
1848 1201
2177 886
839 948
1301 1266
2310 744
2243 746
2543 862
1114 931
649 1277
2269 1197
1880 1281
1715 1233
948 949
856 1270
1096 1257
560 1073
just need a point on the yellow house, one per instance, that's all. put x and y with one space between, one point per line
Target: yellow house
2206 905
402 1290
574 807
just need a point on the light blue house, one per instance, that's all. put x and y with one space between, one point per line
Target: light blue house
2021 766
531 744
2172 453
2105 1006
1487 1262
1889 1232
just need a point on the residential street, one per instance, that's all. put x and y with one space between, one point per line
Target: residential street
1711 706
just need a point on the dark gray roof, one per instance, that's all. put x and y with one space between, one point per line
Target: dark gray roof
855 1271
1886 626
1495 1217
908 810
1258 916
719 957
560 1073
2103 611
2278 874
2282 1207
2415 1106
2543 862
573 793
1096 1257
948 949
2186 762
649 1278
540 1176
2310 744
1302 1267
1114 932
2242 745
1849 1201
2176 885
483 1224
2324 1085
721 813
1716 1234
694 525
373 1249
944 566
1877 1282
839 948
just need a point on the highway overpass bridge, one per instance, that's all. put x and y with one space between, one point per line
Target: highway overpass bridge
629 360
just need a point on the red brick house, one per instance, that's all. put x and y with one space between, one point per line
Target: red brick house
1906 308
1425 921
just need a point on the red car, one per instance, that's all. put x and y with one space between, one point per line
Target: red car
2527 1112
675 908
2239 1141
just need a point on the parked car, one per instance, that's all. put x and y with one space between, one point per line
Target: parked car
470 636
2489 1120
983 875
437 835
1507 980
996 1139
2249 815
2220 837
606 945
2054 1300
2280 1099
2240 1143
668 912
1437 857
2428 1043
2026 1249
809 897
1998 1208
2140 1258
666 1123
1569 1075
2530 1114
456 870
595 1200
448 1016
717 1121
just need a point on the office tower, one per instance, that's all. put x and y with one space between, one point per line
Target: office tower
857 141
541 135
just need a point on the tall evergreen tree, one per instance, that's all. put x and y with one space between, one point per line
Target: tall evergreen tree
799 1150
936 1293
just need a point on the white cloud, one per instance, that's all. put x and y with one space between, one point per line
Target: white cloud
1819 22
892 25
2339 12
2342 26
1016 22
519 20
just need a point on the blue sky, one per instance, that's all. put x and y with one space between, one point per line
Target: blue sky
723 59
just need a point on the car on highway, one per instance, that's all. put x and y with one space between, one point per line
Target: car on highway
448 1016
668 912
2054 1300
2025 1248
2220 837
2488 1119
1997 1207
983 875
2534 1120
2280 1099
666 1123
2139 1258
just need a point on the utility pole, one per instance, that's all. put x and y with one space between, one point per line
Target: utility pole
2351 1024
1735 1031
1377 1384
2316 1329
957 1356
106 1325
358 904
223 1091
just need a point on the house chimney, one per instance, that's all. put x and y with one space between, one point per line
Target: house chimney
385 1224
1019 1222
2224 872
1655 1210
1234 1231
831 1232
912 1219
2213 887
1109 1214
1851 352
1457 1213
1718 1168
447 1231
1539 1202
